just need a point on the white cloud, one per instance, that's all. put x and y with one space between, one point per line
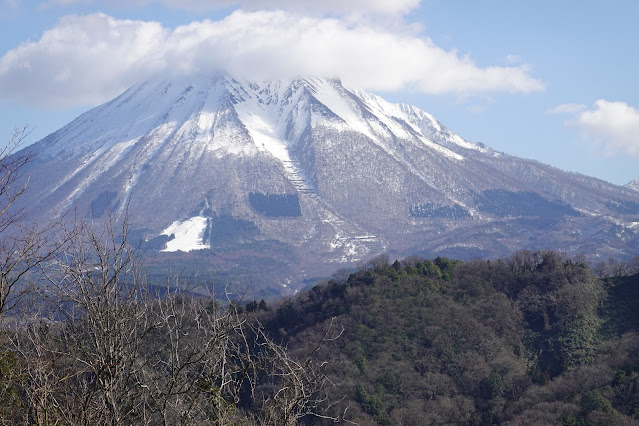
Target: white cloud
88 59
567 109
83 60
615 125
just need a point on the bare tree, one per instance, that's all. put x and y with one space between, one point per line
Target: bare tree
82 341
102 349
18 247
199 361
615 268
299 388
23 248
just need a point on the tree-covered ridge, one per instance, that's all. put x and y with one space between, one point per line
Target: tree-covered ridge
533 339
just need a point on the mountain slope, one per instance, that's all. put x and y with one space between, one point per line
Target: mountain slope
332 175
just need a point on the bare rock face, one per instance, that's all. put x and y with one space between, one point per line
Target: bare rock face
299 178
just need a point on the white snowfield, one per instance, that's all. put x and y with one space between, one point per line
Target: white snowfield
189 235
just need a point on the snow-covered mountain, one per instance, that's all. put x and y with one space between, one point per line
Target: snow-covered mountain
310 174
634 184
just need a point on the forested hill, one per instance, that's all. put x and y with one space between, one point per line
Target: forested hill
534 339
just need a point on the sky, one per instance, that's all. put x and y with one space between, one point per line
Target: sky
554 81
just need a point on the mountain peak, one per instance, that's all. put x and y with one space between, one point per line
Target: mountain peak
312 175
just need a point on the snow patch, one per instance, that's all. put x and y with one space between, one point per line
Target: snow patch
346 109
420 121
634 184
189 235
444 151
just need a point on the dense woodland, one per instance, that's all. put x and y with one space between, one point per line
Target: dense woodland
537 338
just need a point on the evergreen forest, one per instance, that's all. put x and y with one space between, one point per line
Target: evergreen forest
537 338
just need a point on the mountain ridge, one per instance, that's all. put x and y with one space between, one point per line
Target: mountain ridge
337 175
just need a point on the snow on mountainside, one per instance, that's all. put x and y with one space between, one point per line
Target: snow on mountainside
310 168
634 184
187 235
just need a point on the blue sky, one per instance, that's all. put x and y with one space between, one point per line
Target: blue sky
553 81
